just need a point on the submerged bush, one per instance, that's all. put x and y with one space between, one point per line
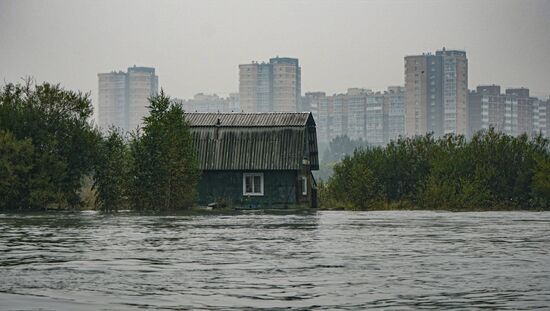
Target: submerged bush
492 170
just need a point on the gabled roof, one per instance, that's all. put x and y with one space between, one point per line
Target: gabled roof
265 119
253 141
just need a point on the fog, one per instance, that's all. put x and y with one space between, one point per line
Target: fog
196 46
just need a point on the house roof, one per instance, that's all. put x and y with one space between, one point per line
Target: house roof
254 141
269 119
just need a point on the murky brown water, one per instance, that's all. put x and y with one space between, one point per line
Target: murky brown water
321 260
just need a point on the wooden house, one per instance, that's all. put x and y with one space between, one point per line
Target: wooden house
256 160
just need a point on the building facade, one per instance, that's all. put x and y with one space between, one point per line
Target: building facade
256 160
273 86
394 112
112 109
360 114
311 102
513 112
123 97
211 103
436 88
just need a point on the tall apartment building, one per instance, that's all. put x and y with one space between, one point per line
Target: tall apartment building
375 118
513 113
112 99
541 117
123 97
273 86
311 102
356 102
394 111
142 84
256 87
436 93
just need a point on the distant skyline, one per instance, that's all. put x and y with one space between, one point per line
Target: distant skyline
196 46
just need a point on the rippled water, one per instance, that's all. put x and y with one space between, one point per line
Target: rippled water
255 260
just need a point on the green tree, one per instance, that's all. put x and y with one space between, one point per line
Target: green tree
354 185
16 161
111 175
493 170
541 182
165 168
56 122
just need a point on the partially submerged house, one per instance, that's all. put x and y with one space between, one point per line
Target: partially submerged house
256 160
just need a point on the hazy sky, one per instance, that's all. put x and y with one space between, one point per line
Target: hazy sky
196 46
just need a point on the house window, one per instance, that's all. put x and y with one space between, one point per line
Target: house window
304 185
253 184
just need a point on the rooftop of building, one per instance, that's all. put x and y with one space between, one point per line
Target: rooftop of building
254 141
249 119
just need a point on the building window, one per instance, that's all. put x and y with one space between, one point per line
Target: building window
304 185
253 184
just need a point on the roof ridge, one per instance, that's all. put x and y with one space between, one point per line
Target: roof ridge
271 112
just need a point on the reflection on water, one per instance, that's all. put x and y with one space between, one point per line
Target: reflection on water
254 260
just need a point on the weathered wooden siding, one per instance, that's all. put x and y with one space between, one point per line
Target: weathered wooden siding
275 144
264 148
279 188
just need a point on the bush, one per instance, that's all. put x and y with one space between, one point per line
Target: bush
492 170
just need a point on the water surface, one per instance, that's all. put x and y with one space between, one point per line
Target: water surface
320 260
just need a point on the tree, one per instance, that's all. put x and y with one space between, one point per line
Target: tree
112 172
493 170
354 184
541 182
165 168
64 144
15 166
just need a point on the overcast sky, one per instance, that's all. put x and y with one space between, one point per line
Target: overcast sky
196 46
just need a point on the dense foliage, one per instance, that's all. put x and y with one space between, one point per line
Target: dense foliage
491 171
165 167
49 151
47 146
112 172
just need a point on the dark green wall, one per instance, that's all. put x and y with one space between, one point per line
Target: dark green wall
279 188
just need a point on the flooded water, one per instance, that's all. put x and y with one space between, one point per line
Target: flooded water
254 260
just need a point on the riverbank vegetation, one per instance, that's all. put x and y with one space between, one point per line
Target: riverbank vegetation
490 171
49 152
52 157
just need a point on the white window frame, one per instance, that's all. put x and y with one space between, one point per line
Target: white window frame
304 185
261 175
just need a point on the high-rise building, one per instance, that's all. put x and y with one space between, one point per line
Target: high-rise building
394 110
273 86
112 100
123 97
513 113
287 84
361 114
374 119
436 98
311 102
541 123
256 87
142 84
356 102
